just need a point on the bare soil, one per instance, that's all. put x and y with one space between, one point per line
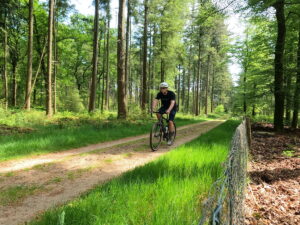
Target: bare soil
61 177
273 194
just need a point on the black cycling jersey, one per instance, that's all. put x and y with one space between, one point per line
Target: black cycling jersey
166 99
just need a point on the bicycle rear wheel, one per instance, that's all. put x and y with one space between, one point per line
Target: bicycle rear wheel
155 136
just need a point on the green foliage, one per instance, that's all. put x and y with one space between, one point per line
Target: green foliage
173 33
288 153
69 100
262 118
220 109
22 118
255 90
166 191
256 57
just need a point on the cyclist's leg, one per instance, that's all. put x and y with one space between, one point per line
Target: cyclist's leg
171 127
161 111
171 121
158 115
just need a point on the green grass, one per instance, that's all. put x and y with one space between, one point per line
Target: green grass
168 190
262 118
288 153
70 131
56 180
15 194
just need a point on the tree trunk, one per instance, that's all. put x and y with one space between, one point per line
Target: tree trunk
98 98
29 55
253 110
207 84
198 80
95 59
122 108
189 66
127 44
183 88
5 51
212 91
140 74
41 53
162 63
178 86
297 89
244 94
279 53
145 48
130 78
149 83
201 89
14 84
55 58
253 105
107 59
153 55
103 73
49 108
189 82
194 88
35 77
288 99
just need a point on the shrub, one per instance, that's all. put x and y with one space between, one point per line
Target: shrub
220 109
69 100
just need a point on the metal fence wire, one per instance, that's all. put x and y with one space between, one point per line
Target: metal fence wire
225 202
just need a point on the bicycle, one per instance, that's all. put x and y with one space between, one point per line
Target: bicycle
160 131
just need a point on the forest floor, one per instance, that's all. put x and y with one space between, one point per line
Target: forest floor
53 179
273 194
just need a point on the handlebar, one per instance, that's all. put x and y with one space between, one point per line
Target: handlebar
160 112
164 113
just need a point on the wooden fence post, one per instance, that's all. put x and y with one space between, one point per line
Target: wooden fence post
248 128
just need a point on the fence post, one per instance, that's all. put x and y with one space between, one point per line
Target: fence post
248 127
225 205
230 192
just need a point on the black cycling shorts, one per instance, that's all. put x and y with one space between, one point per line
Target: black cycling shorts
172 114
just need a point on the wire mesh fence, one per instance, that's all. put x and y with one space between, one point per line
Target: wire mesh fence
225 201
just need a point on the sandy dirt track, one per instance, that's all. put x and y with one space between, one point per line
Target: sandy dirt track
60 177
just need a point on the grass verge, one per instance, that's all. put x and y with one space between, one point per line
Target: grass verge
64 133
168 190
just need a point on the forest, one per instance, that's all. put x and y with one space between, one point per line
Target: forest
76 108
90 66
184 46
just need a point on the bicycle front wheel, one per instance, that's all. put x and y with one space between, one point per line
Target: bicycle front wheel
155 136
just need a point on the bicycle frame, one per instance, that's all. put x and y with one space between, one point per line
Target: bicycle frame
163 131
161 121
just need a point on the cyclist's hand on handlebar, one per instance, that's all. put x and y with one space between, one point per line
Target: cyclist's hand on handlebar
167 112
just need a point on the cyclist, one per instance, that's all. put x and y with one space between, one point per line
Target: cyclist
167 98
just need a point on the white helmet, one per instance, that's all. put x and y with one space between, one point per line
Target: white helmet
163 85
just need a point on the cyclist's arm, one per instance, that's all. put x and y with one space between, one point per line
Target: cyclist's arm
171 106
154 103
